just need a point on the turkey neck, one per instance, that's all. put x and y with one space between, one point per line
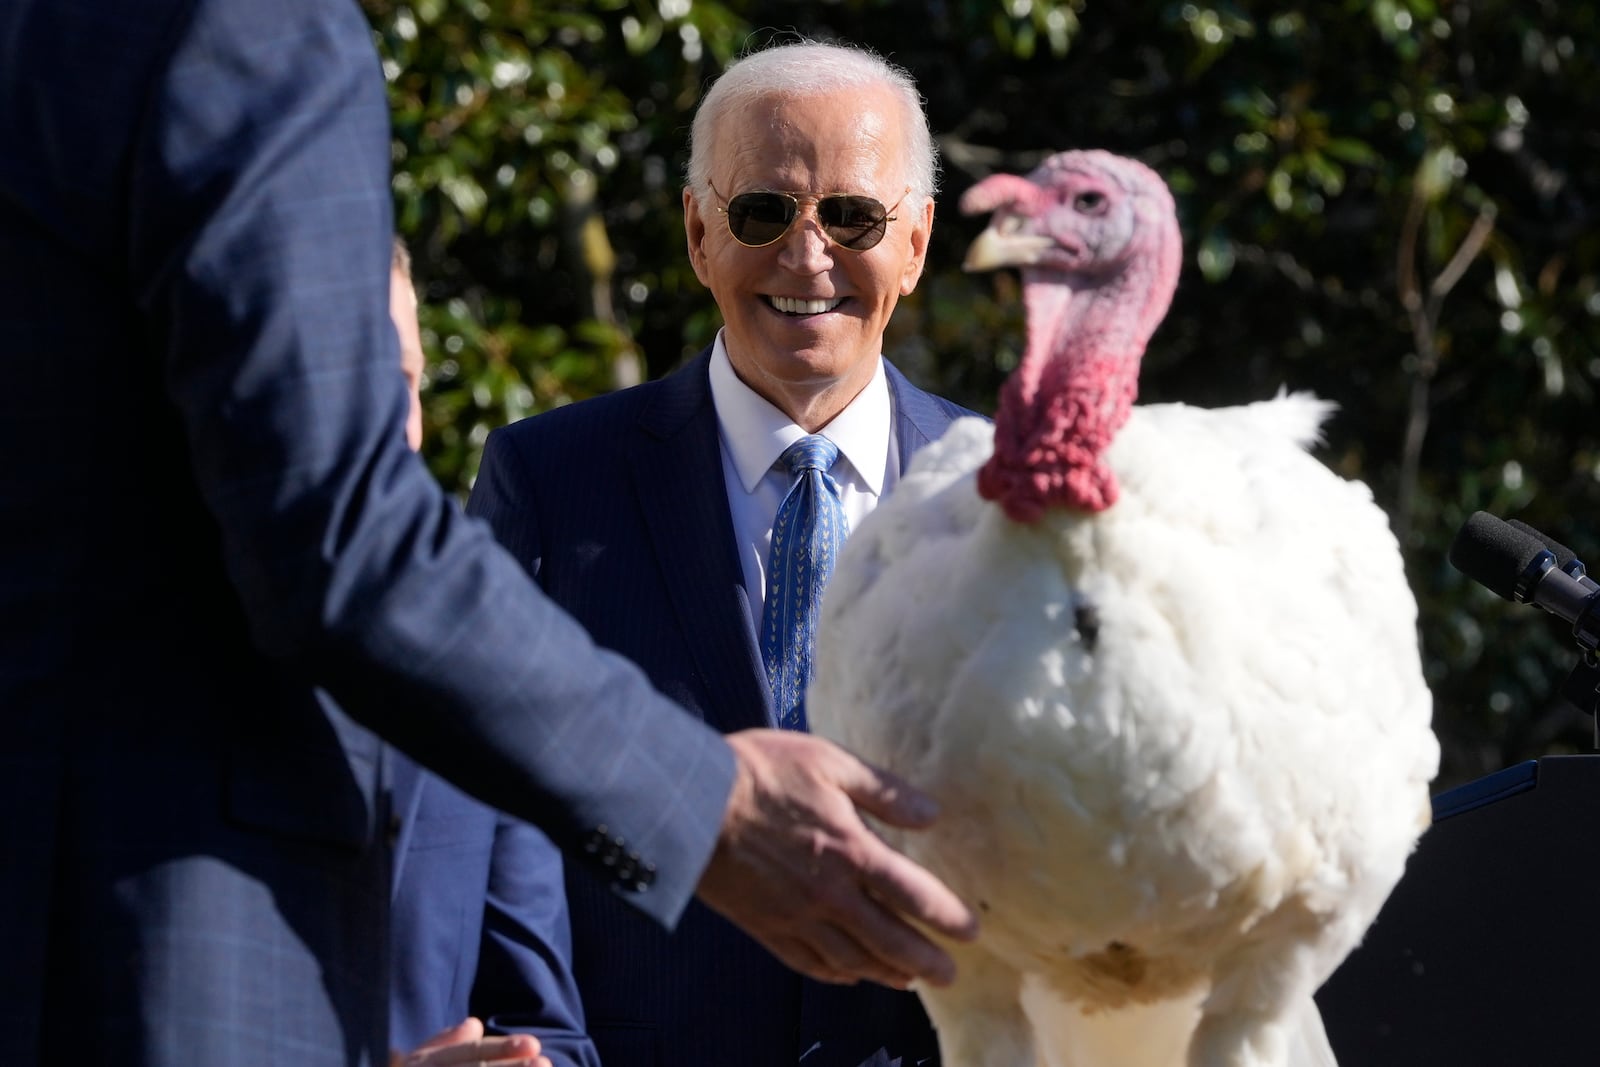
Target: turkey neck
1071 393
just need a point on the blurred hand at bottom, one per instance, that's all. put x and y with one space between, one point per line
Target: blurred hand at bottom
797 868
464 1043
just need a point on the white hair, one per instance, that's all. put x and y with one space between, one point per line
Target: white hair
812 68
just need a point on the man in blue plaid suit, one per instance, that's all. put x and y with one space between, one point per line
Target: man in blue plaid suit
208 508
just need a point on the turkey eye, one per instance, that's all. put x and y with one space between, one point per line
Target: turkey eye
1090 203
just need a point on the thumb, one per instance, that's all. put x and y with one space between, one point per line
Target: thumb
886 795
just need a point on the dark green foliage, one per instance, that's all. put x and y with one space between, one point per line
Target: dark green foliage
1392 204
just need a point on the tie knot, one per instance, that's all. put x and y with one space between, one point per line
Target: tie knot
815 451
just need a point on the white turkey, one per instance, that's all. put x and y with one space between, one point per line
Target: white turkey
1158 664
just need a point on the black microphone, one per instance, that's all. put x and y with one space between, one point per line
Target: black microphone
1566 559
1521 564
1518 566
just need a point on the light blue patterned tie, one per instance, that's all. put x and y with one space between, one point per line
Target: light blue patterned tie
806 537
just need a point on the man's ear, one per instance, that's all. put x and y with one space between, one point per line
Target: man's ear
694 228
919 249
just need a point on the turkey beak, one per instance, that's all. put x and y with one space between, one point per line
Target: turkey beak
994 249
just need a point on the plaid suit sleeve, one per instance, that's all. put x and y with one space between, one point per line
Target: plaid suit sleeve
259 256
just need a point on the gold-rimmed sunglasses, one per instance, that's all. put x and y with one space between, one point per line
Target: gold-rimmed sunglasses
854 222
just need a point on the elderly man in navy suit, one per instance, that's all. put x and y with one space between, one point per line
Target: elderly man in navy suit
208 510
808 210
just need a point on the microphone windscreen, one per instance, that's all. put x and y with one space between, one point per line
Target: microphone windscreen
1564 555
1493 553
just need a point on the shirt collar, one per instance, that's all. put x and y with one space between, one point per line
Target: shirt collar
756 432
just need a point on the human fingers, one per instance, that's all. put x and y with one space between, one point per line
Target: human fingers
516 1050
889 876
478 1054
468 1029
799 954
869 906
799 870
885 794
464 1044
826 927
452 1058
854 883
841 951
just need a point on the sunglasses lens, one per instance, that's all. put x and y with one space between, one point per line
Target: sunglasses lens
856 222
759 218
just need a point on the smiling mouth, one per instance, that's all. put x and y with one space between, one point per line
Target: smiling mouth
789 305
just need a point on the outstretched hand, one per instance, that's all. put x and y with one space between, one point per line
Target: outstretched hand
464 1043
797 868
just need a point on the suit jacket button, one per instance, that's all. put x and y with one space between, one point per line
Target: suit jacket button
644 876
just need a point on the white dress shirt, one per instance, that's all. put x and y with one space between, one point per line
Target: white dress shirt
754 434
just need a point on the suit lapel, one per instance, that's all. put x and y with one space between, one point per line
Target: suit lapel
405 792
918 416
676 459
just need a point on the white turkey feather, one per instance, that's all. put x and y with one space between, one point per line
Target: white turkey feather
1181 745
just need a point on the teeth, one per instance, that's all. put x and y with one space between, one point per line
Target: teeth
791 306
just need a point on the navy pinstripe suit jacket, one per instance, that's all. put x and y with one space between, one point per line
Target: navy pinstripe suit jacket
617 506
206 508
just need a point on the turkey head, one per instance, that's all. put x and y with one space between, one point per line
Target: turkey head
1096 239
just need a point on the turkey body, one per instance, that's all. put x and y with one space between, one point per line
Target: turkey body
1181 745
